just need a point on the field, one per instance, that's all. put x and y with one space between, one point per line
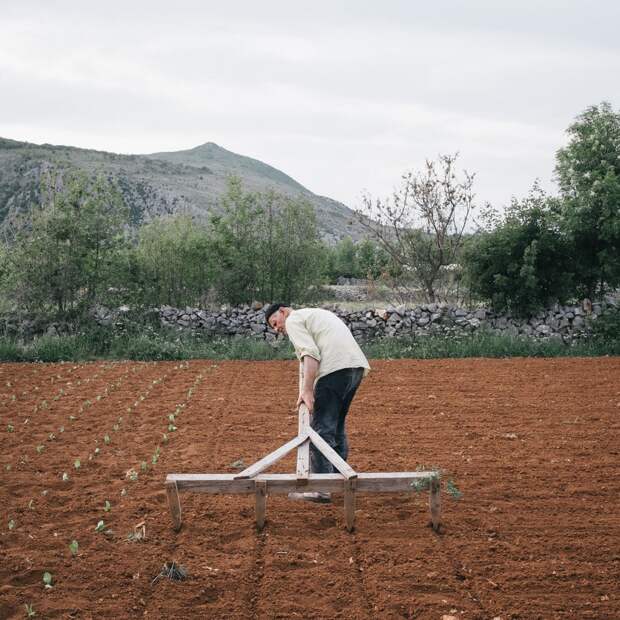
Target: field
533 445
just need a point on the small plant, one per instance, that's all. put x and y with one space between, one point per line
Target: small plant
30 612
10 428
144 466
47 579
106 439
77 464
51 437
97 451
452 490
40 449
107 506
31 504
123 492
7 467
73 547
164 438
116 428
100 527
172 428
11 524
61 429
65 476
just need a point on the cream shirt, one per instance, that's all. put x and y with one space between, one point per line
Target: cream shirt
322 335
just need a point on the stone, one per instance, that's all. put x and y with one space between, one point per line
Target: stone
579 322
258 328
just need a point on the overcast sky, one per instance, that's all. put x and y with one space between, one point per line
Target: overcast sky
344 96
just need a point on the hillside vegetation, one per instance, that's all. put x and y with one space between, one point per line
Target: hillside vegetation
190 182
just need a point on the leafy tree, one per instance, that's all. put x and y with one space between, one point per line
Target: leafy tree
588 172
521 262
65 257
173 261
266 246
422 226
291 251
236 237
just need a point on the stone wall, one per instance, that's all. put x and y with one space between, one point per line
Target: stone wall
565 322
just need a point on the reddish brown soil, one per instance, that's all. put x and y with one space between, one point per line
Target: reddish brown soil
532 444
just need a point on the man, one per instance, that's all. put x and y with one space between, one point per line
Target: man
333 366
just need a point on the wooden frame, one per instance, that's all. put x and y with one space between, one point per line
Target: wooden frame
347 481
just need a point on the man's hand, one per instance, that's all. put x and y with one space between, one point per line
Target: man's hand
307 397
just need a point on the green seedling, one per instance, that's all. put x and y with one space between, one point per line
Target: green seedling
11 524
106 440
100 527
107 506
77 464
164 438
123 492
171 417
115 428
133 475
144 466
8 467
61 429
30 612
40 449
452 490
172 428
31 504
65 476
71 418
10 428
47 579
73 547
51 437
97 450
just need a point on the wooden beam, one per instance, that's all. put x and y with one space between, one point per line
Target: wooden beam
271 458
303 451
434 502
349 503
376 482
172 492
331 455
261 503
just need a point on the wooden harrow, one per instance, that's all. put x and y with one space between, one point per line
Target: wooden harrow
252 481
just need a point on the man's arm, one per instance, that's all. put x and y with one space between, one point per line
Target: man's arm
311 368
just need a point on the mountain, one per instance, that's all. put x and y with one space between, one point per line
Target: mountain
190 181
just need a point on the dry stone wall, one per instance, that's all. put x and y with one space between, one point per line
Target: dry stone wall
564 322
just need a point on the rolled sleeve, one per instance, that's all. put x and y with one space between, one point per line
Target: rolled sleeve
300 337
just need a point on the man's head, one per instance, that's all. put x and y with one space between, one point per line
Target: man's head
276 316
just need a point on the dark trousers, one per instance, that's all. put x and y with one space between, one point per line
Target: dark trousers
333 394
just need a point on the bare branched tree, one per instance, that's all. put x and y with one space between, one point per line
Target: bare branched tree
422 225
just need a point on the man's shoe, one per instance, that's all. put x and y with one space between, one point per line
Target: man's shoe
318 497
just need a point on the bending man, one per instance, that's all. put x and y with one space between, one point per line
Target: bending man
333 367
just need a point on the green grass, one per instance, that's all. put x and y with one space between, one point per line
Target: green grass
149 344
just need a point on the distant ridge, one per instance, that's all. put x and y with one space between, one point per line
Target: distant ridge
189 181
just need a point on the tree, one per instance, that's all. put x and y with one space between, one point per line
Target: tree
174 261
422 226
588 172
266 246
521 261
65 256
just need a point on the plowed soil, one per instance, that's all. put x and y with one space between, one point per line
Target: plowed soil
532 444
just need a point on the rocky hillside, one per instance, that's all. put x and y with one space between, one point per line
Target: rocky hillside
190 181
